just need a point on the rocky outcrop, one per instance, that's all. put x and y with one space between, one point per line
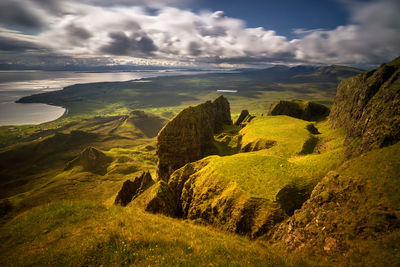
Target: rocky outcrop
338 212
242 116
91 160
158 199
190 135
246 120
255 145
131 190
205 198
304 110
368 107
354 204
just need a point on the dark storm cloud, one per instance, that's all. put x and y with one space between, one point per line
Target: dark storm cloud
194 49
77 34
15 13
254 60
14 45
122 44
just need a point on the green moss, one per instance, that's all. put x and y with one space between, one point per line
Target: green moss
289 133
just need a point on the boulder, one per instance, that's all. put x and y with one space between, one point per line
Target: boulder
131 190
242 116
91 160
368 107
304 110
190 135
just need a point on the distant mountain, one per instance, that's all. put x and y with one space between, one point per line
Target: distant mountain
304 73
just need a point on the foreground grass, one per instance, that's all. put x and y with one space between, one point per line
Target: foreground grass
87 234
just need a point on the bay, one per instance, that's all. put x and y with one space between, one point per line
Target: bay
17 84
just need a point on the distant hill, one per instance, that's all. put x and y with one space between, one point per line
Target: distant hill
304 72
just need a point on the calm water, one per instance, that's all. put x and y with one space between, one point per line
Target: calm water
16 84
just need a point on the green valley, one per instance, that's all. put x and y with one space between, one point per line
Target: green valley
288 185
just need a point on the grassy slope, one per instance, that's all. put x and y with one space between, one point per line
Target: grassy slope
166 96
32 173
265 172
83 233
358 205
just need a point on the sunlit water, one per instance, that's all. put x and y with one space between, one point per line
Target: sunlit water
17 84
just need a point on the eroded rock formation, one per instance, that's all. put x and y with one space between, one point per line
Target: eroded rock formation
242 116
91 160
368 107
131 190
207 199
304 110
190 135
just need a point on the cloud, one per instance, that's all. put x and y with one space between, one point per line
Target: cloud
135 44
77 34
18 13
14 45
127 31
372 37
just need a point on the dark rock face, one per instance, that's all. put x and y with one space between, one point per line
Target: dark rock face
246 120
190 135
304 110
91 160
5 207
161 200
242 116
340 212
256 145
291 197
215 203
368 107
130 190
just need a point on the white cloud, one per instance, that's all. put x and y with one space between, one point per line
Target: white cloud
372 37
82 29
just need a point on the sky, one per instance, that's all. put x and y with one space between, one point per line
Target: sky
219 33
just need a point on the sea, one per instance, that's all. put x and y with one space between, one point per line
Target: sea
17 84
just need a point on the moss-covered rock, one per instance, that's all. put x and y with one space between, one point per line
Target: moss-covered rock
304 110
242 116
91 160
356 204
368 107
131 190
204 196
246 120
256 145
159 199
190 135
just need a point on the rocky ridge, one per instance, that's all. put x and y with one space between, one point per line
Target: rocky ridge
91 160
131 190
190 135
368 107
304 110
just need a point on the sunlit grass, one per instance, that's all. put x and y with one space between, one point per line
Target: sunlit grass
84 233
